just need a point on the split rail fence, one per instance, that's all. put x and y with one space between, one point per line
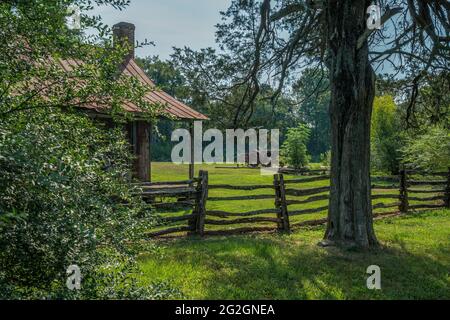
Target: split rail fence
292 198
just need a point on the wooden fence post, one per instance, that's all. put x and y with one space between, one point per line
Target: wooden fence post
284 209
276 185
404 205
200 227
447 190
197 223
280 203
192 222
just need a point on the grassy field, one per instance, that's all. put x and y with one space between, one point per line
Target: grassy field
414 261
414 257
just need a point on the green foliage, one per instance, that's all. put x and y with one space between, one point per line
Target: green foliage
161 145
429 151
67 189
431 106
325 159
193 77
165 75
168 78
386 135
65 192
314 96
210 79
32 74
293 150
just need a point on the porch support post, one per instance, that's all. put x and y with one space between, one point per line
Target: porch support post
150 129
143 131
191 163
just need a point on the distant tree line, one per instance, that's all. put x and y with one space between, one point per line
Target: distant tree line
303 107
420 140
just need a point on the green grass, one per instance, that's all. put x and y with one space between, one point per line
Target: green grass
414 257
414 261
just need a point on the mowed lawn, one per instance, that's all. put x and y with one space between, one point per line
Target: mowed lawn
414 257
414 261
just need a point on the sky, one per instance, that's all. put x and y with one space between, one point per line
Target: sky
169 23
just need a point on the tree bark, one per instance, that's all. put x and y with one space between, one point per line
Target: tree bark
350 218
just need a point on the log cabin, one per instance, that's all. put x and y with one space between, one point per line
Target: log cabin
139 131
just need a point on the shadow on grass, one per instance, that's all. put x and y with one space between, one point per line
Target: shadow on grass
416 266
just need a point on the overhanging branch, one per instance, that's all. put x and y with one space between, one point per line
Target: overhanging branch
386 16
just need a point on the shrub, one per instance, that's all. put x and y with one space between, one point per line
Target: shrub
65 198
293 150
429 151
386 136
325 159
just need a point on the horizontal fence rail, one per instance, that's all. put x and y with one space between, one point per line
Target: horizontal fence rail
293 199
186 194
224 214
237 198
249 187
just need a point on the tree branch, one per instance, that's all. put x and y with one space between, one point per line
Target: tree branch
386 16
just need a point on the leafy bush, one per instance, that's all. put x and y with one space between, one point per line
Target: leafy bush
66 198
325 159
386 136
429 151
65 194
294 151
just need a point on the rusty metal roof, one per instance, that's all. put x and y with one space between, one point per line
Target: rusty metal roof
172 106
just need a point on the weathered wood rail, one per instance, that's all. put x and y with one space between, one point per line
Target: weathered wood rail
188 193
291 200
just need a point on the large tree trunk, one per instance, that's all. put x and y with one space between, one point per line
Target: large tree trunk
352 92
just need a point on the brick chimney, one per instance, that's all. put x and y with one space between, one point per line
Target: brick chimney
124 31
